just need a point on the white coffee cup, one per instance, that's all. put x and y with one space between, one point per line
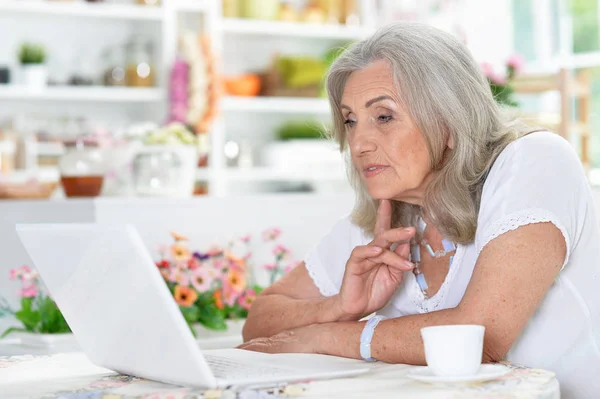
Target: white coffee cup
453 350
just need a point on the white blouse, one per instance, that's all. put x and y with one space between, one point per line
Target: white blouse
537 178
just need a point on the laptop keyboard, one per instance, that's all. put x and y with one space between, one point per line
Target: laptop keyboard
224 368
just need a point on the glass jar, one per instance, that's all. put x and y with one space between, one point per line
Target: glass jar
165 170
148 2
114 70
82 169
140 72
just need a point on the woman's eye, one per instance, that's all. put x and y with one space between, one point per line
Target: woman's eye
349 122
384 118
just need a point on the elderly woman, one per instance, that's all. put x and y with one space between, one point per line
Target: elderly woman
462 216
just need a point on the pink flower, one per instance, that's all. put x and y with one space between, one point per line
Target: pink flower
29 291
201 280
516 62
215 251
33 275
247 299
193 263
280 251
271 234
17 273
247 256
179 276
245 239
220 264
498 79
291 266
487 69
270 266
229 296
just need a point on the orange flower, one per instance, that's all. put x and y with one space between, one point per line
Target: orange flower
179 237
180 252
235 280
185 296
218 297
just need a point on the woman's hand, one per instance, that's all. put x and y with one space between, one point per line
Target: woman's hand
307 339
374 272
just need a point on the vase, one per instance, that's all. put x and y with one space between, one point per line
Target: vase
34 76
224 339
39 340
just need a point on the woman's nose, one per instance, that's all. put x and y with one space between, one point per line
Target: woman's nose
362 141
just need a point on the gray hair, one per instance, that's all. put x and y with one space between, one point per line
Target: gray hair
444 91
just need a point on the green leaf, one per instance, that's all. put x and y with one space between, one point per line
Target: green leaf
26 304
52 320
212 318
30 319
190 314
11 330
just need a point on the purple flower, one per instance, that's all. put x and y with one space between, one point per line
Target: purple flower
200 256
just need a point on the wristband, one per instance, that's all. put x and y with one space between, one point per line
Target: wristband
367 335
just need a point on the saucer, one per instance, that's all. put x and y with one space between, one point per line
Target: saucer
485 373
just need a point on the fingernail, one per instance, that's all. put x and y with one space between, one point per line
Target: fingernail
408 229
376 250
409 264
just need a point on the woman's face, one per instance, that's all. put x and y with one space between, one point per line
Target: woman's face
386 147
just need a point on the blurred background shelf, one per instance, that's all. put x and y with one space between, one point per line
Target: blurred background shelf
265 174
83 94
82 9
41 173
191 5
284 105
294 29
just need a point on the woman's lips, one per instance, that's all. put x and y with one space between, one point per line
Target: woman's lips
374 170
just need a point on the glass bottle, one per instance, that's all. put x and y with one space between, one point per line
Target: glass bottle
140 72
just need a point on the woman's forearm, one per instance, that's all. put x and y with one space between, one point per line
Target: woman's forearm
267 316
395 340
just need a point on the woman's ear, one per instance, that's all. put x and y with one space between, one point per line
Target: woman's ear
450 142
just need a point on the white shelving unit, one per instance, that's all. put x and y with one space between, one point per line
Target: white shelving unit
82 10
165 21
83 94
294 29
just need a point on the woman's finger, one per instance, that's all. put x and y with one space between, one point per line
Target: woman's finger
387 238
363 252
394 260
403 250
384 217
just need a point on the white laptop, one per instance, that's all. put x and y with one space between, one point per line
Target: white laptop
125 319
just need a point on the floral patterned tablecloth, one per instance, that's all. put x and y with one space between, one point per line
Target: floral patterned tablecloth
72 376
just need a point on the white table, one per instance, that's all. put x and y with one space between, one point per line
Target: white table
71 375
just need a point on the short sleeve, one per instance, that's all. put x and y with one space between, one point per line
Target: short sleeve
538 178
326 262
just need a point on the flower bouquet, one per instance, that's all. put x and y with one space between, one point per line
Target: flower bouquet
500 83
39 313
210 287
217 285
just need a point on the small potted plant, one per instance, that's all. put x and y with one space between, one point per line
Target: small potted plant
34 72
43 324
